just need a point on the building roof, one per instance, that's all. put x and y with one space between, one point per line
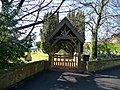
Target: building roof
65 21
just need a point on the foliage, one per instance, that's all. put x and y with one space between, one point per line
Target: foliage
18 18
108 49
11 48
101 19
77 19
38 44
113 48
48 27
86 48
46 47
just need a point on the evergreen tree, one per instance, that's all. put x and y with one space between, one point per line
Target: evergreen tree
11 48
77 19
15 17
48 27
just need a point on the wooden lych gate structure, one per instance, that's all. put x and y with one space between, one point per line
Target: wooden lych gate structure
66 32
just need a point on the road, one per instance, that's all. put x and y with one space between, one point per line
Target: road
62 80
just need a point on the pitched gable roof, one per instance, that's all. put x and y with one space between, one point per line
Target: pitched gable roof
60 25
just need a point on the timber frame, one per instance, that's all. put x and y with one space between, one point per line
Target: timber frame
66 31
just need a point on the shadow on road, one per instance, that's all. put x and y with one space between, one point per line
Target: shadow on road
56 80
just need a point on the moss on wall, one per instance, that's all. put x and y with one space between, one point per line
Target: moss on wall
102 65
11 77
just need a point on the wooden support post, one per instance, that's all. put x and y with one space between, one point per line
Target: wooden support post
64 60
79 56
50 60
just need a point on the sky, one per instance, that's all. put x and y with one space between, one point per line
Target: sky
67 5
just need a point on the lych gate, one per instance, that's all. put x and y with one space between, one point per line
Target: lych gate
65 36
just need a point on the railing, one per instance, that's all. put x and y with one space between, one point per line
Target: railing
64 61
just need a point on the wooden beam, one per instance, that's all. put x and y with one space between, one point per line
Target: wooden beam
65 37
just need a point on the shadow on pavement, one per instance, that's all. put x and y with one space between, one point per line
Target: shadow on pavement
58 80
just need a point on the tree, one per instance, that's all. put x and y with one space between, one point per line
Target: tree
94 29
19 19
38 44
87 48
10 47
48 27
98 15
77 19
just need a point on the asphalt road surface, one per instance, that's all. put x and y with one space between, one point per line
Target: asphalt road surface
63 80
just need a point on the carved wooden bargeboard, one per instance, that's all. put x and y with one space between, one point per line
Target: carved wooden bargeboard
65 31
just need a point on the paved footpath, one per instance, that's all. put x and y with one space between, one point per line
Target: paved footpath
59 80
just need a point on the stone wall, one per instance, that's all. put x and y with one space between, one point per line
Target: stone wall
92 66
9 78
82 66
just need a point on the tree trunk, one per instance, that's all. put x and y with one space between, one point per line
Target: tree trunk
94 45
94 38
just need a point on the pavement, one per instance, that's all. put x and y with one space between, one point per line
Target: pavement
63 80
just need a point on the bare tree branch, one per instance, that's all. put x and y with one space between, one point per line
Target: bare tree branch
35 10
33 25
20 4
39 22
